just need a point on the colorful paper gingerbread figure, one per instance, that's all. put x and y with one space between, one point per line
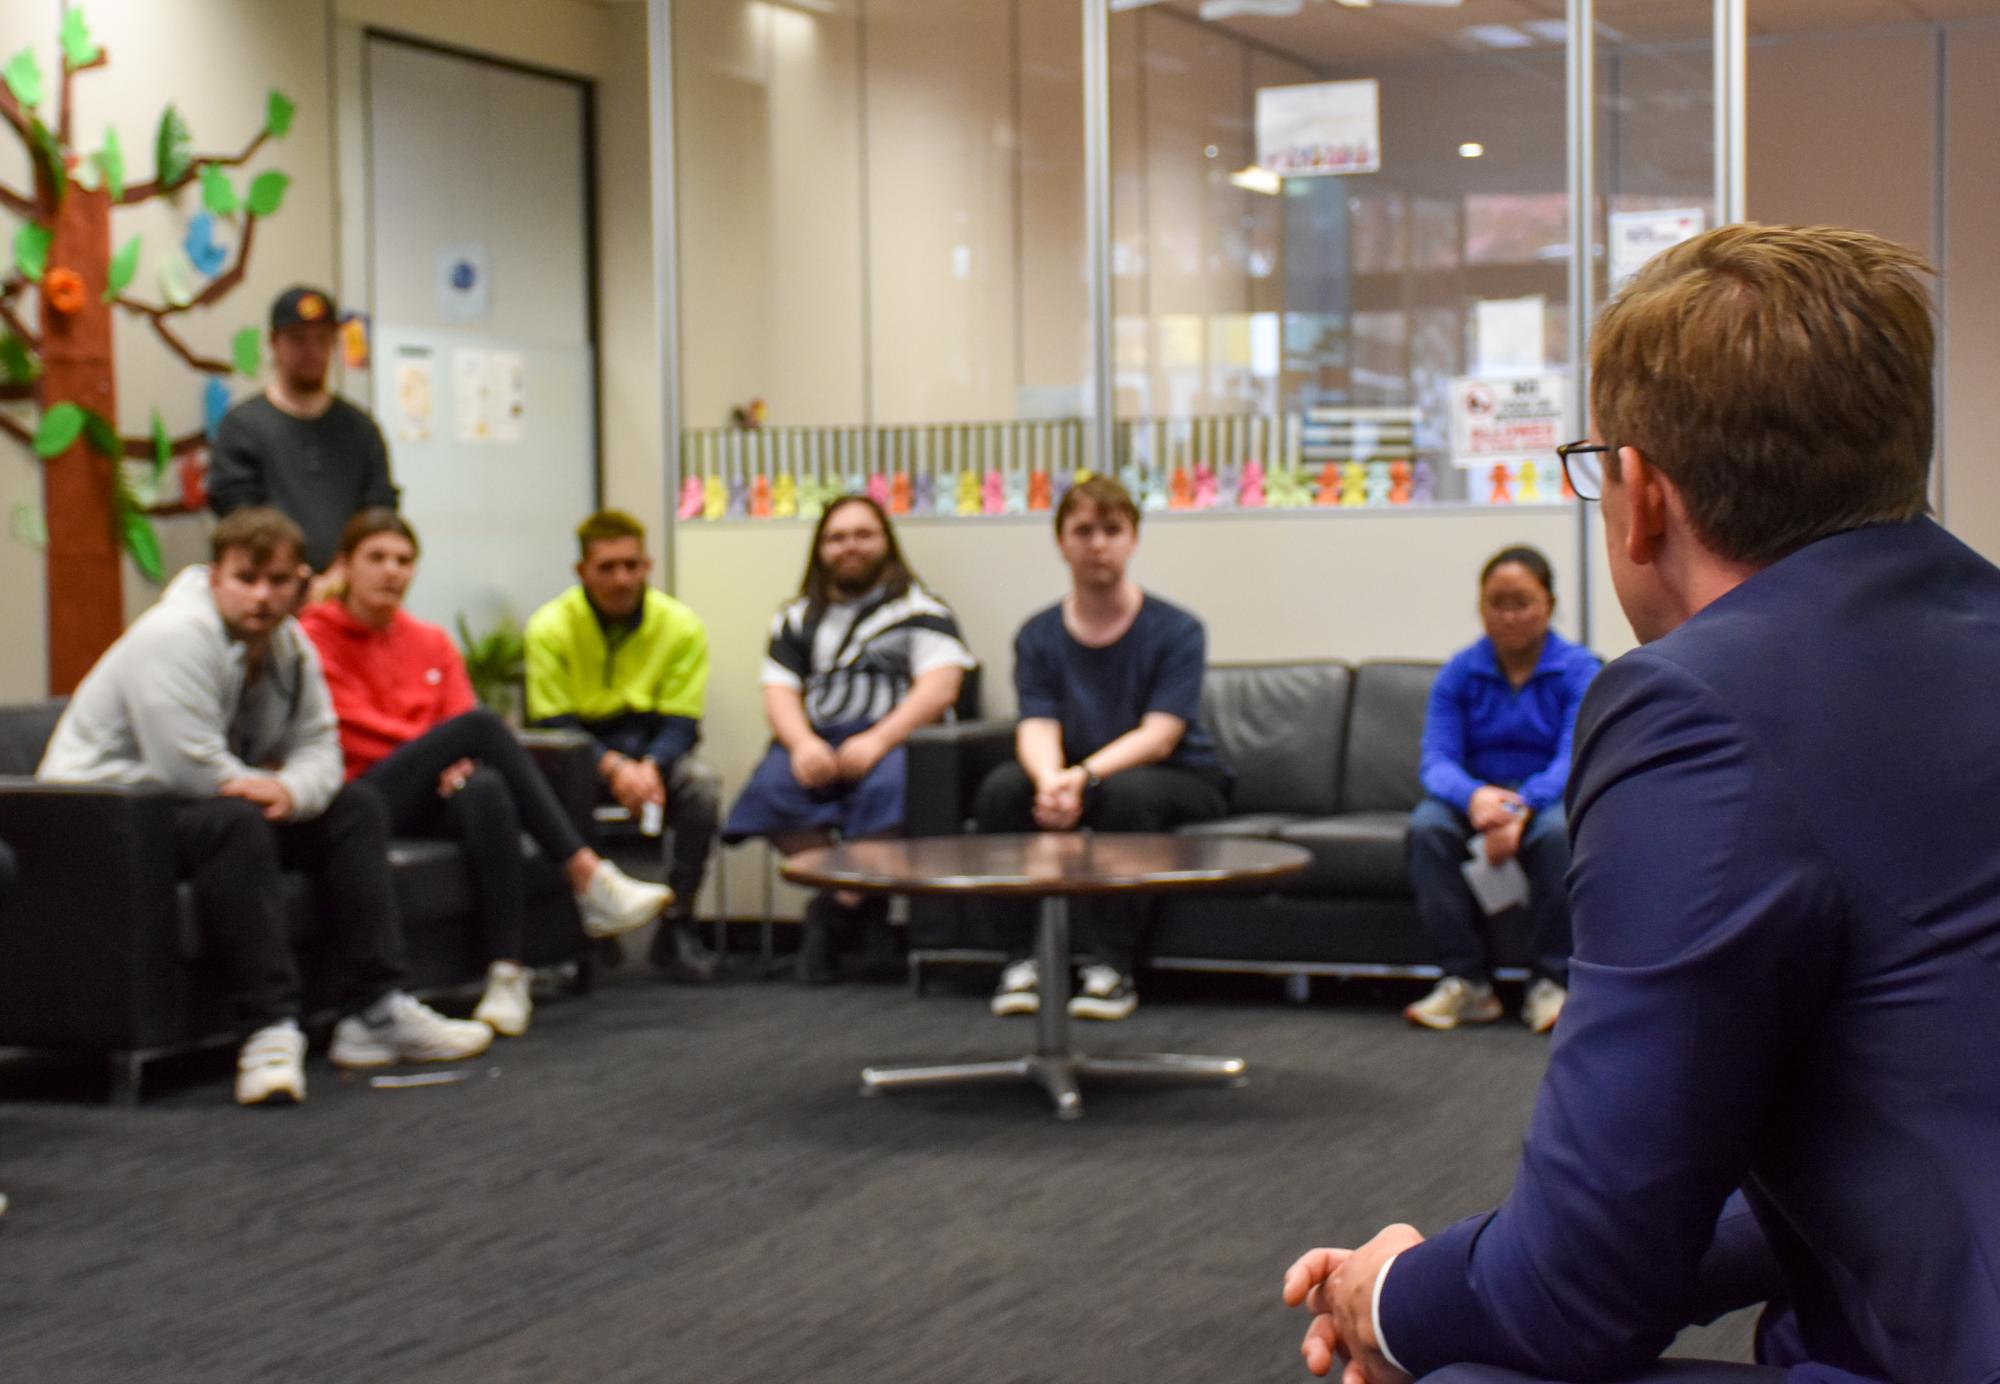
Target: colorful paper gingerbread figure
714 498
1205 487
899 493
1157 495
1059 484
784 496
1016 492
945 495
690 505
1377 490
993 494
1250 487
1501 494
1038 491
1353 485
760 498
1399 482
1327 492
969 492
878 489
1423 487
1228 485
739 497
1180 490
1530 492
923 495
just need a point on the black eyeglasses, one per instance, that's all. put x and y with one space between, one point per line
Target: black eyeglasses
1582 468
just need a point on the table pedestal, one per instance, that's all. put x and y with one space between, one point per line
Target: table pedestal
1055 1065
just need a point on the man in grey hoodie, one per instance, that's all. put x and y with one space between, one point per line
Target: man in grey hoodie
215 695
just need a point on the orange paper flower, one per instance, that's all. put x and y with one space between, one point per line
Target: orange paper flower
64 290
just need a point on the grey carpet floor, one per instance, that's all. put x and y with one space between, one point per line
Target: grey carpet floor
681 1185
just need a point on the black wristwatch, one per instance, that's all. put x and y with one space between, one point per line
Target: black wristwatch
1090 778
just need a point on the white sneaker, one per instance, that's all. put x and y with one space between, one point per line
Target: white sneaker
613 902
1105 993
1020 990
505 1006
1543 1006
1454 1001
271 1068
406 1030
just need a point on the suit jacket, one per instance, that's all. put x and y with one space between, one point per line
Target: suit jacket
1785 820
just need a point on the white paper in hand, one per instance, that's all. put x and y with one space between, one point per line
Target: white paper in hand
1496 887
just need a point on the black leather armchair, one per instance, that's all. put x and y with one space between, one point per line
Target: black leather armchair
1325 755
100 945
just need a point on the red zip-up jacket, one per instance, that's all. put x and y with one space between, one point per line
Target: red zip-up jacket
390 685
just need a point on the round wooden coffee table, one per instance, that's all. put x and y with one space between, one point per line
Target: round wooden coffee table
1053 867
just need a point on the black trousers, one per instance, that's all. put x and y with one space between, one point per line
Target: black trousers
694 808
235 860
503 795
1153 797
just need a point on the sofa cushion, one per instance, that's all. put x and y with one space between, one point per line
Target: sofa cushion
1355 854
1263 825
24 733
1279 725
1385 737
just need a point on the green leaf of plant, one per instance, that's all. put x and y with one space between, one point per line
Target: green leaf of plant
170 148
124 265
267 192
24 78
102 435
28 525
60 428
110 161
31 250
246 349
163 448
218 194
16 363
79 48
278 112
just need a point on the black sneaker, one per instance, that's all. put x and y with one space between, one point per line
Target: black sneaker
815 959
677 952
1105 993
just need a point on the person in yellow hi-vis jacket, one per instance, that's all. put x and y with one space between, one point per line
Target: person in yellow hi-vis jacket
628 666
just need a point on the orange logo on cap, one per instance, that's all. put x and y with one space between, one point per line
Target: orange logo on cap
312 307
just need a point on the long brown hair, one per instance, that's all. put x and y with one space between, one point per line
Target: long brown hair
817 586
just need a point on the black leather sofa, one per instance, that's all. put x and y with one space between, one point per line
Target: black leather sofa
1325 755
100 946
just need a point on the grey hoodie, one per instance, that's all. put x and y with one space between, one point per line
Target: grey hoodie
166 707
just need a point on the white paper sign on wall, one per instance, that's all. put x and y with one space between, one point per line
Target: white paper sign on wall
1319 128
1637 236
1506 418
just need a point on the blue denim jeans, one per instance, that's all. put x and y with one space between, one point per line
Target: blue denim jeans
1438 833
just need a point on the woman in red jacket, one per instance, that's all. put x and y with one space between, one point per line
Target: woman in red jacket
410 726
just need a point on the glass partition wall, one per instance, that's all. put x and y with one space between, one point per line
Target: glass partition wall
1346 267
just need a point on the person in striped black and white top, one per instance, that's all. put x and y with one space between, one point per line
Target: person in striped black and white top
862 657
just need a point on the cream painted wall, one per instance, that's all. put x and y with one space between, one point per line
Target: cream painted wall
1972 292
214 60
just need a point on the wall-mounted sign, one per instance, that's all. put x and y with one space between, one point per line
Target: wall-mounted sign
1506 418
1637 236
1319 128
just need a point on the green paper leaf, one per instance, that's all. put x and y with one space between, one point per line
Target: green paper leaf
24 78
175 285
246 348
31 250
163 448
28 526
267 192
218 194
170 148
16 363
124 265
110 161
136 532
79 49
278 111
102 435
61 426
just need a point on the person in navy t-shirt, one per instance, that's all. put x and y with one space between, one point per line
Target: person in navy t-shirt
1495 762
1109 686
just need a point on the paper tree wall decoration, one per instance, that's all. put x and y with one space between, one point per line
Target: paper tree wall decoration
63 259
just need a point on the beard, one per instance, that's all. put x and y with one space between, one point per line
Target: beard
857 581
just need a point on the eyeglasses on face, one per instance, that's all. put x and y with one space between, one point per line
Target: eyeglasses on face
1583 467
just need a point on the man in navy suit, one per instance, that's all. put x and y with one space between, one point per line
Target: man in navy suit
1785 816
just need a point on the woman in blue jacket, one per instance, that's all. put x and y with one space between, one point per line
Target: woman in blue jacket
1495 760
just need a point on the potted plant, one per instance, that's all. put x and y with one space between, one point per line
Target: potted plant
496 664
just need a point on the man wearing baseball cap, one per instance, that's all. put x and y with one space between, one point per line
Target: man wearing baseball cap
298 447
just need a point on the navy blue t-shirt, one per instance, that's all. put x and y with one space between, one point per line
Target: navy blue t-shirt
1099 694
